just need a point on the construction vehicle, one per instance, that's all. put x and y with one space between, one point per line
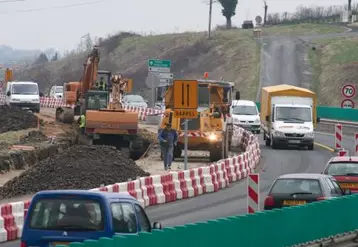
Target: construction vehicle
210 130
107 123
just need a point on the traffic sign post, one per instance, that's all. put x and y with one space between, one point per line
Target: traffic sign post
162 66
349 91
347 103
185 105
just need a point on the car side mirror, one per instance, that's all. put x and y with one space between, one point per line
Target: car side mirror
8 93
348 192
157 225
237 95
267 118
318 119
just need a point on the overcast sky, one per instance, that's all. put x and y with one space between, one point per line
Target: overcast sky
61 28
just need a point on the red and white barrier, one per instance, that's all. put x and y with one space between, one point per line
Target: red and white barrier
253 193
159 189
338 136
343 153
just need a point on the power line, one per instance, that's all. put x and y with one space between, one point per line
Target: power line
48 8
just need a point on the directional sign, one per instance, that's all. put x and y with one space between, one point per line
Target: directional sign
178 113
347 103
159 65
162 75
185 94
349 91
258 19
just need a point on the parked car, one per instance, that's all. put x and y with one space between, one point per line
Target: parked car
134 100
345 170
246 115
301 188
60 217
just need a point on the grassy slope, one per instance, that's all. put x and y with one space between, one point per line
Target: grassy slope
305 28
335 63
231 55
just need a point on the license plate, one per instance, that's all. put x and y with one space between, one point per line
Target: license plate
294 141
293 202
349 185
54 244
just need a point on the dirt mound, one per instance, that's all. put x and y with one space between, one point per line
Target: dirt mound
13 119
79 167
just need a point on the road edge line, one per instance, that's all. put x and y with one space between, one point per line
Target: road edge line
324 147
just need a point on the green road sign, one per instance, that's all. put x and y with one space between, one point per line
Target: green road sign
159 63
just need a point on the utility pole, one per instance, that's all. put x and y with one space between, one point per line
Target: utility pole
210 13
265 16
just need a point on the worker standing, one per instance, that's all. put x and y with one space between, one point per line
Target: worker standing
82 123
168 138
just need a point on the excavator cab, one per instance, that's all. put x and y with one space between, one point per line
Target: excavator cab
96 100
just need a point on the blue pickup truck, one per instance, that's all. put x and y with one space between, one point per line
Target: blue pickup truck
60 217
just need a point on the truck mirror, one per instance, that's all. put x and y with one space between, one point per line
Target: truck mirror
318 119
41 94
237 95
8 93
267 118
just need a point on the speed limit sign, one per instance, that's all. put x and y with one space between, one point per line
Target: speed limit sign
347 103
349 91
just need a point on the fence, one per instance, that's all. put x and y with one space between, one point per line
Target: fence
280 227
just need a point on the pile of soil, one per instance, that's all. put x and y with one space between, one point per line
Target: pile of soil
33 137
148 135
13 119
78 167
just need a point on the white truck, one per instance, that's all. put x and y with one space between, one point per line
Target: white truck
288 116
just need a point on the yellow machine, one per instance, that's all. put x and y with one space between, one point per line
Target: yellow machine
209 130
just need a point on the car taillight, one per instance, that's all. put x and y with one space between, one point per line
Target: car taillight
269 201
23 244
321 198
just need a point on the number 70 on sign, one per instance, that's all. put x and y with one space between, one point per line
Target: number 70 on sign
185 94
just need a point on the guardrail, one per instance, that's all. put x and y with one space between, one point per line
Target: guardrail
290 226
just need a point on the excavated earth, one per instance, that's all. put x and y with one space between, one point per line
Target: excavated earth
78 167
12 119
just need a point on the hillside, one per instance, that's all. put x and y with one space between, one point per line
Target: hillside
232 55
335 63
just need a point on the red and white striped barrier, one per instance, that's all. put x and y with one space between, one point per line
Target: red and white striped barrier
253 193
338 136
343 153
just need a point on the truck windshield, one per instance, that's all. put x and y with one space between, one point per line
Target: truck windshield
67 214
30 89
204 96
59 90
293 114
244 110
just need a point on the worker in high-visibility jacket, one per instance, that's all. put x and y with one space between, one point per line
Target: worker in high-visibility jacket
82 123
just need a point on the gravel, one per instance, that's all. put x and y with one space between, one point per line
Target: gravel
13 119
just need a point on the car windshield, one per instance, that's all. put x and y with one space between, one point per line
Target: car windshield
59 90
293 114
134 98
296 186
244 110
343 169
30 89
67 214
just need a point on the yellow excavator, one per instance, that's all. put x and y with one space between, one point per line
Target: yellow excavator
107 123
210 130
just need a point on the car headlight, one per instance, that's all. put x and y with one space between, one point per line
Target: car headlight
278 133
212 137
309 134
257 121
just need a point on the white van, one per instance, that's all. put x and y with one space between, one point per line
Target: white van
56 92
246 115
23 94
